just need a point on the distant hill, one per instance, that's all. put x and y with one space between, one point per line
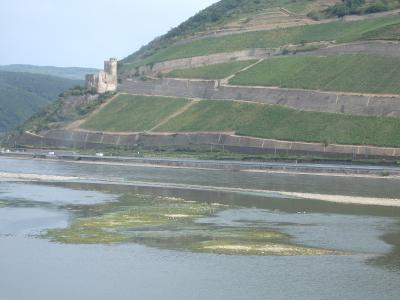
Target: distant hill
69 73
22 94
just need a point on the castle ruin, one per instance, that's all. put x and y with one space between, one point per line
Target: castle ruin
105 81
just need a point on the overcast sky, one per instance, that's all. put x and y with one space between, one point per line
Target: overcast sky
83 33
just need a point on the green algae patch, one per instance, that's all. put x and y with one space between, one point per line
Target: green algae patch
240 248
116 222
73 235
254 241
171 223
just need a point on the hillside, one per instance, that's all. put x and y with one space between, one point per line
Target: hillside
69 73
253 76
22 94
233 15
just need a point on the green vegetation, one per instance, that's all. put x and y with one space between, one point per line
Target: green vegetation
348 73
339 31
389 32
23 94
357 7
72 105
141 113
170 223
216 16
230 10
286 124
69 73
218 71
133 113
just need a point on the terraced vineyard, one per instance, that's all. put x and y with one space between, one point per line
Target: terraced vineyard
281 123
138 113
218 71
347 73
339 31
133 113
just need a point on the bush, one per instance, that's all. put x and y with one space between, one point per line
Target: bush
376 7
347 7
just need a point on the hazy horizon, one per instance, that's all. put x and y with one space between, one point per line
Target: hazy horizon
84 34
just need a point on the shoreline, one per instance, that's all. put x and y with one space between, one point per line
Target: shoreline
268 167
340 199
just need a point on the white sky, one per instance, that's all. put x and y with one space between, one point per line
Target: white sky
83 33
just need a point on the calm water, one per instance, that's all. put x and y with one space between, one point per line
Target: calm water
33 268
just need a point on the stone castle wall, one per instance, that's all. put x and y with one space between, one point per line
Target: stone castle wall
105 81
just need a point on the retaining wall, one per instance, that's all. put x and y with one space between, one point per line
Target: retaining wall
81 139
298 99
200 61
385 48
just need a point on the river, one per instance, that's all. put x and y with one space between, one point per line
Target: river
311 249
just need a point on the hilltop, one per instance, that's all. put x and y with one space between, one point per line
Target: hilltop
279 76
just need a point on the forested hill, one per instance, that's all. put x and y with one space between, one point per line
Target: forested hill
73 73
23 94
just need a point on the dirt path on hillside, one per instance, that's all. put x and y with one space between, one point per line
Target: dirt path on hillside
156 133
226 80
78 123
175 114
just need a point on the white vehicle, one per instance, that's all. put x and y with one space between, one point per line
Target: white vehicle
100 154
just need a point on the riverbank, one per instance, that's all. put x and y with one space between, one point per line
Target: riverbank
275 194
330 168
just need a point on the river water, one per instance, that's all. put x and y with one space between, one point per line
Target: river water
33 267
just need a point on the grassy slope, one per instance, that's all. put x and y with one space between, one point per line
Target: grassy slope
218 71
286 124
389 32
23 94
69 73
220 13
141 113
350 73
339 31
133 113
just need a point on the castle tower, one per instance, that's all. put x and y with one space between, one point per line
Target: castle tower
110 67
105 81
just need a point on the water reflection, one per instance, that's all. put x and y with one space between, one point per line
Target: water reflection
391 260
